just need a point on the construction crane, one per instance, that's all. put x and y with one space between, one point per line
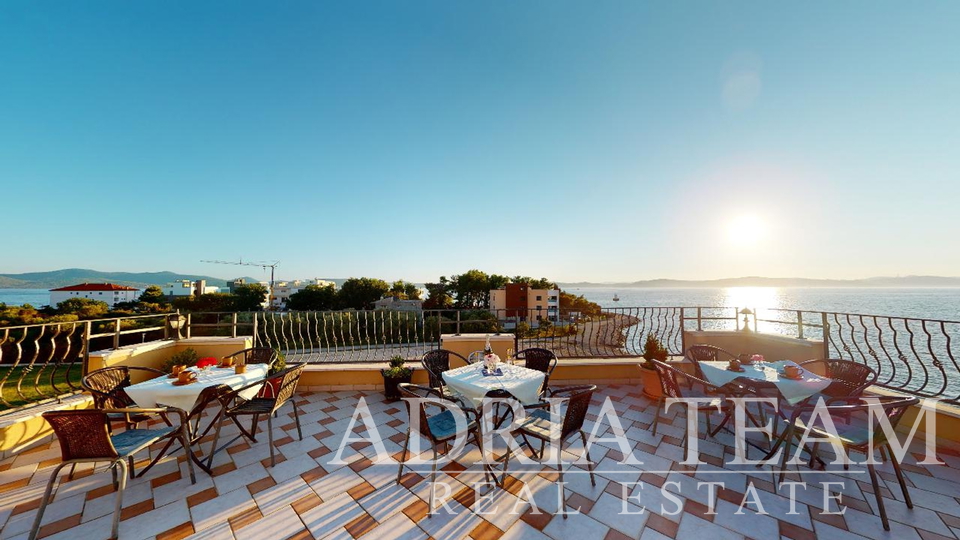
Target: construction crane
262 264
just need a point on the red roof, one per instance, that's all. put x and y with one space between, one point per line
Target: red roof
96 287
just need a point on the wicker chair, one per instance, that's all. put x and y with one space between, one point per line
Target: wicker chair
539 425
436 362
707 353
234 406
255 355
854 434
107 387
541 360
439 428
85 437
677 384
850 379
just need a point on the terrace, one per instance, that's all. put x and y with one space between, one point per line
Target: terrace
309 494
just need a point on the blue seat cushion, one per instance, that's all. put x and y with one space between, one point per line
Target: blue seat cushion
132 441
443 426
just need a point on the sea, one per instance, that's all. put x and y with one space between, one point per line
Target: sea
939 304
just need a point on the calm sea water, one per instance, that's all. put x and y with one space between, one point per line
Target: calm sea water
942 304
18 297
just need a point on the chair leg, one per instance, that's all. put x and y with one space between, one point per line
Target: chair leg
788 444
586 452
73 468
213 446
131 466
273 458
296 418
403 456
561 499
185 441
903 483
46 500
119 504
433 482
253 427
876 492
656 415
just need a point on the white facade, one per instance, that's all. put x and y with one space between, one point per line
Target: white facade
104 292
283 289
185 287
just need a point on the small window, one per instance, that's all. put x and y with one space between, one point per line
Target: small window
539 298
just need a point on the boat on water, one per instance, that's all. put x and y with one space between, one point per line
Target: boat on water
615 297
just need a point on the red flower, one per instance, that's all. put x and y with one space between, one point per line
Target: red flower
207 361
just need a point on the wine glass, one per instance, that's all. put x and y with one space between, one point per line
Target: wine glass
511 357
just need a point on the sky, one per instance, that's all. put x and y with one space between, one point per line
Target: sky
580 141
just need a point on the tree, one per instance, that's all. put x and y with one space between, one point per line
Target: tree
569 302
359 293
542 283
206 302
472 288
314 298
439 296
404 290
153 295
84 308
249 297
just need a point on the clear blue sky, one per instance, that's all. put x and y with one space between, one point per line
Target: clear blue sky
573 140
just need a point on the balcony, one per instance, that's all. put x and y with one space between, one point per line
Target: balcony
310 495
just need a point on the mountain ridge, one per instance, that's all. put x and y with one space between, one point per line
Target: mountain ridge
759 281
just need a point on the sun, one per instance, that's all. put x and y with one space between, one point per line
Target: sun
746 230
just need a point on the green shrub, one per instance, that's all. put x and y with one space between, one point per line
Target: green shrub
186 357
397 369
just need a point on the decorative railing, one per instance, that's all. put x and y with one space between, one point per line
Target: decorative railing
918 356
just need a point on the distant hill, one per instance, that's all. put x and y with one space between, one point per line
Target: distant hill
757 281
73 276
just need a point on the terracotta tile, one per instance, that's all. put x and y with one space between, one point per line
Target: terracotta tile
361 525
302 535
360 464
789 530
9 486
179 532
135 510
580 503
361 490
266 461
238 448
951 521
317 453
244 518
537 521
512 485
485 531
453 468
313 474
662 525
697 509
410 479
614 534
327 420
223 469
466 496
928 535
306 502
398 438
202 497
416 510
652 479
395 422
96 492
730 496
266 482
26 507
282 441
60 525
830 519
550 476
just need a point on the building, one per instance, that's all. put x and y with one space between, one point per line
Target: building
517 302
105 292
185 287
283 289
396 304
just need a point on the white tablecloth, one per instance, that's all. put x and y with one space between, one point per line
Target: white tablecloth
470 382
162 392
794 391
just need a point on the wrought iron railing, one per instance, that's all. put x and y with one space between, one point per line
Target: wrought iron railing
917 356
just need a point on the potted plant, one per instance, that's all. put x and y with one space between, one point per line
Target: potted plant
186 357
272 386
652 350
394 375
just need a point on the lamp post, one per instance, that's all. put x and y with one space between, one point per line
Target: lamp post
746 312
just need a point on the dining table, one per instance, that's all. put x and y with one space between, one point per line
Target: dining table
474 383
794 390
196 396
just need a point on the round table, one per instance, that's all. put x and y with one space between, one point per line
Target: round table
469 381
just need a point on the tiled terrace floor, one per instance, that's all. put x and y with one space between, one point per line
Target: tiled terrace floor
305 496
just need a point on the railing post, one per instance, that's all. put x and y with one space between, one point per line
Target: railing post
253 340
87 330
116 334
233 327
799 324
826 335
458 322
189 320
699 318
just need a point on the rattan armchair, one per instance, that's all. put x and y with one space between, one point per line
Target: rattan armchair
85 437
255 355
539 424
235 406
107 388
541 360
437 362
849 378
707 353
